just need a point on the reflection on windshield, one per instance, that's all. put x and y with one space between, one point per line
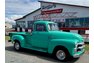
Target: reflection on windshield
53 27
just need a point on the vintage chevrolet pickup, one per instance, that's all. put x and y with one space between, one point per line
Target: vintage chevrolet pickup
46 37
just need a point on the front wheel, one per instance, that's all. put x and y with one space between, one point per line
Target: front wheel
60 55
17 46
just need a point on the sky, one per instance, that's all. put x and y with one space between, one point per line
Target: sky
17 8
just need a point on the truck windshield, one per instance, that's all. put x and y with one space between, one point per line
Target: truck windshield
53 27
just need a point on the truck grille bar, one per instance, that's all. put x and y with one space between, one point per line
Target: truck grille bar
80 47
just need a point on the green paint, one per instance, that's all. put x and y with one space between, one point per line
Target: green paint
47 40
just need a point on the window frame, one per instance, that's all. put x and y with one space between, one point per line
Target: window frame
41 24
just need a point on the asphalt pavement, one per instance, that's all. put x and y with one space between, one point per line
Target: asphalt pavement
30 56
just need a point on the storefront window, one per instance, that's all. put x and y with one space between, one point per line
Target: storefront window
67 23
61 24
86 22
77 22
30 24
20 24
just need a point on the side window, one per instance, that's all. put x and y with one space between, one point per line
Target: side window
40 27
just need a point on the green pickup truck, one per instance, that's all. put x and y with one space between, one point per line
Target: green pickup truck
46 37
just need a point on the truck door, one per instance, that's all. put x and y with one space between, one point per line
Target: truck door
40 36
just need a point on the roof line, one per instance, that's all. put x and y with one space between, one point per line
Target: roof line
27 14
65 4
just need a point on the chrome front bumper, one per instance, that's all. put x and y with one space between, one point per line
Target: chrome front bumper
78 54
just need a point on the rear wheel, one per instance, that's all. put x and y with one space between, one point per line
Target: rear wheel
17 46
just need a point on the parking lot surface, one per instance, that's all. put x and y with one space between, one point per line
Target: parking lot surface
29 56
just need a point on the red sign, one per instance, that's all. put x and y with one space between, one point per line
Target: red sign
52 11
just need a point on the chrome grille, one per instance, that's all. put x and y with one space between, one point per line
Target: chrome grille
80 47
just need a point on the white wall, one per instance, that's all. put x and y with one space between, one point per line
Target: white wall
81 11
31 17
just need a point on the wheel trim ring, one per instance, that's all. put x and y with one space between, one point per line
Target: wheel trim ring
60 55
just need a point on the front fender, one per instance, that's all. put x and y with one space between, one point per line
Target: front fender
19 38
67 43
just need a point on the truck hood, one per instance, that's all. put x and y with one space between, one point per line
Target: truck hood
66 35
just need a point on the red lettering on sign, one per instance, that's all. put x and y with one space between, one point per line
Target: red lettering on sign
52 11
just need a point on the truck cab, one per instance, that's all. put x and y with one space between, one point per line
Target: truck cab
46 37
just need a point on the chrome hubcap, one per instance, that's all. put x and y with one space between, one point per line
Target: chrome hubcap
60 55
17 46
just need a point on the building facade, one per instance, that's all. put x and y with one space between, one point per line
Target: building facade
70 18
